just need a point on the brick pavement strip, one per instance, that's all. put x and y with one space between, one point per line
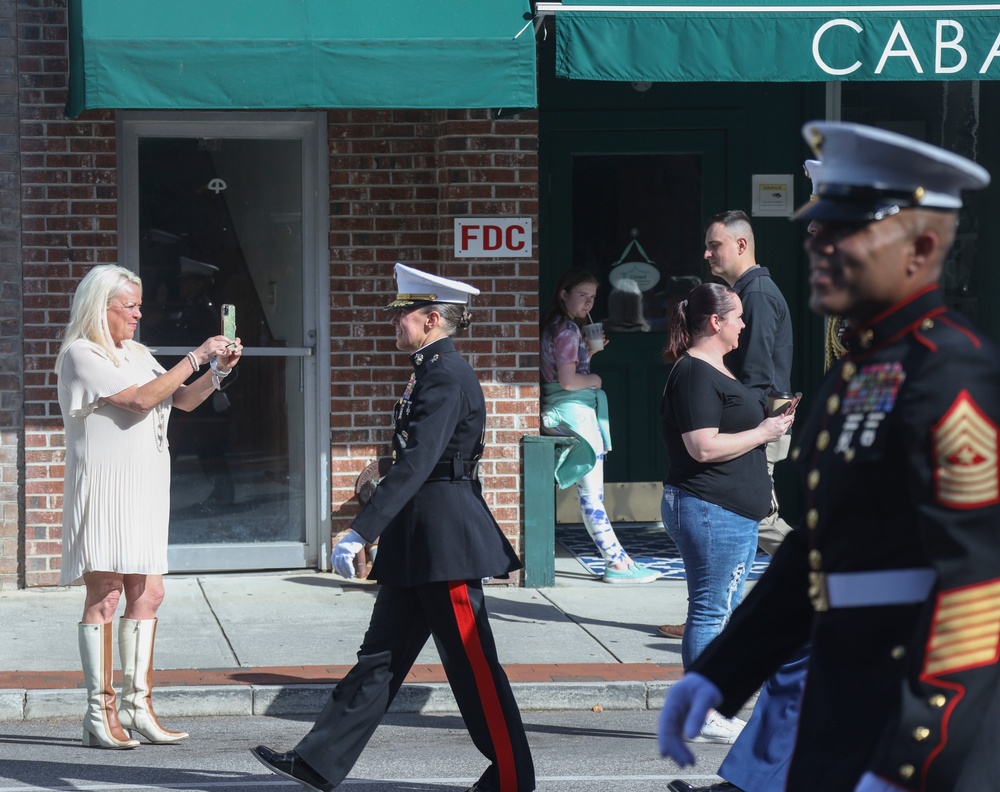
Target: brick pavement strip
312 675
303 690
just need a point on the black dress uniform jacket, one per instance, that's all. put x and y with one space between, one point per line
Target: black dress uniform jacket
900 463
438 541
429 509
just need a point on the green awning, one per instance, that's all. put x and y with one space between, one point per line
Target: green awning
229 54
777 41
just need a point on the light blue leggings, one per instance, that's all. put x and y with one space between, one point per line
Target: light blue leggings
595 518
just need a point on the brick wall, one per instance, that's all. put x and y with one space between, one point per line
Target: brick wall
68 224
398 180
11 375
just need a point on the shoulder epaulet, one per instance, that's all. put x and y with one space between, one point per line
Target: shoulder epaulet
933 332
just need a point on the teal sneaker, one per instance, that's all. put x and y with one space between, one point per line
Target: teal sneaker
634 573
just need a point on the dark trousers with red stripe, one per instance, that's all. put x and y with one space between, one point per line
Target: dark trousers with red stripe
454 612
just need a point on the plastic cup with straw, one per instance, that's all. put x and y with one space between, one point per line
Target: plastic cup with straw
594 333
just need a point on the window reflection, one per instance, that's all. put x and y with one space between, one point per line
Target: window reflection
637 226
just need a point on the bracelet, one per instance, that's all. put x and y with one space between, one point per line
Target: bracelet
214 363
217 374
193 361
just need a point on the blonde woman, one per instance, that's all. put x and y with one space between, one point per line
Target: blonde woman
115 401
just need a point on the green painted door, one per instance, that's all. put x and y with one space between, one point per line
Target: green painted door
629 206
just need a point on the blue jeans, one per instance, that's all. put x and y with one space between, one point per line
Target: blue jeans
718 548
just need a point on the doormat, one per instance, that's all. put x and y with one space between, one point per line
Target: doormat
647 543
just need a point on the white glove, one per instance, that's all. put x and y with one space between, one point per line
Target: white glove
684 711
344 552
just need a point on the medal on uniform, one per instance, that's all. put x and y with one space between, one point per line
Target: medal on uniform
409 387
869 397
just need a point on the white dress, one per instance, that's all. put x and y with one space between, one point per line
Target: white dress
116 504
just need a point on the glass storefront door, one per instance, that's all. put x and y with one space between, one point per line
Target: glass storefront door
224 210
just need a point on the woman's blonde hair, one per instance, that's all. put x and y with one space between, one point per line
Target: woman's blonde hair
88 314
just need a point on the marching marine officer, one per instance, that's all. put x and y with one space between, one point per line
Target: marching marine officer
437 541
895 575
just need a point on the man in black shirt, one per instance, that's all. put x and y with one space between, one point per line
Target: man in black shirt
763 360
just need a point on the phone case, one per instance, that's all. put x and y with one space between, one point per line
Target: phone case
229 322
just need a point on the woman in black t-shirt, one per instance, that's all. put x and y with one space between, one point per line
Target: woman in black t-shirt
717 487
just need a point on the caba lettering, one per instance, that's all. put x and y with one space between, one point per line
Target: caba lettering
951 55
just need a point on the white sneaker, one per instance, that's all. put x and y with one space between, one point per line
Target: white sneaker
719 730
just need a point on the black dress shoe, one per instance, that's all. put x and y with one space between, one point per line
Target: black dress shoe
684 786
290 765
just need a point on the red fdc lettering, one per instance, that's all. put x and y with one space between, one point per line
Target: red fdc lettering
492 237
469 233
512 232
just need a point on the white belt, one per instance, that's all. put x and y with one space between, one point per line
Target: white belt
880 587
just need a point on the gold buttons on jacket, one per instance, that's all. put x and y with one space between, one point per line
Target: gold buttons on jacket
848 371
921 733
927 324
795 453
823 440
866 338
907 771
812 518
898 652
812 480
815 560
849 454
818 594
833 404
937 700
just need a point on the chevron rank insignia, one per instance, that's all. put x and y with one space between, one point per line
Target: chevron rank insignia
966 457
966 630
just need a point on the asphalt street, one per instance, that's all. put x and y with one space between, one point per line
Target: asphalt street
611 751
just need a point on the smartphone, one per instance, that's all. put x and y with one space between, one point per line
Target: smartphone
229 322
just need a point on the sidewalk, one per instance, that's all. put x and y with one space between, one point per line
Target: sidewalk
274 644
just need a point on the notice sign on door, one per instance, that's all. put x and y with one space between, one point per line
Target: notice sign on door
492 237
773 195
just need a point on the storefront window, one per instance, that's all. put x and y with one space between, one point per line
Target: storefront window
637 226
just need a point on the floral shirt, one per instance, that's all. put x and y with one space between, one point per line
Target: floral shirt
562 342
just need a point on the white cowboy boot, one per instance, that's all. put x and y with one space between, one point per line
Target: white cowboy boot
100 725
135 643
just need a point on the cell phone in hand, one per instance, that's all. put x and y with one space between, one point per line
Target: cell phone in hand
228 313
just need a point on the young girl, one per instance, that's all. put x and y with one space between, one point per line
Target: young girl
574 404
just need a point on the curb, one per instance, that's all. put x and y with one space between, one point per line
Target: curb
284 700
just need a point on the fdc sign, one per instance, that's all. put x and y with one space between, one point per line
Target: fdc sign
492 237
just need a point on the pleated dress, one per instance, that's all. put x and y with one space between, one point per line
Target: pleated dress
116 503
